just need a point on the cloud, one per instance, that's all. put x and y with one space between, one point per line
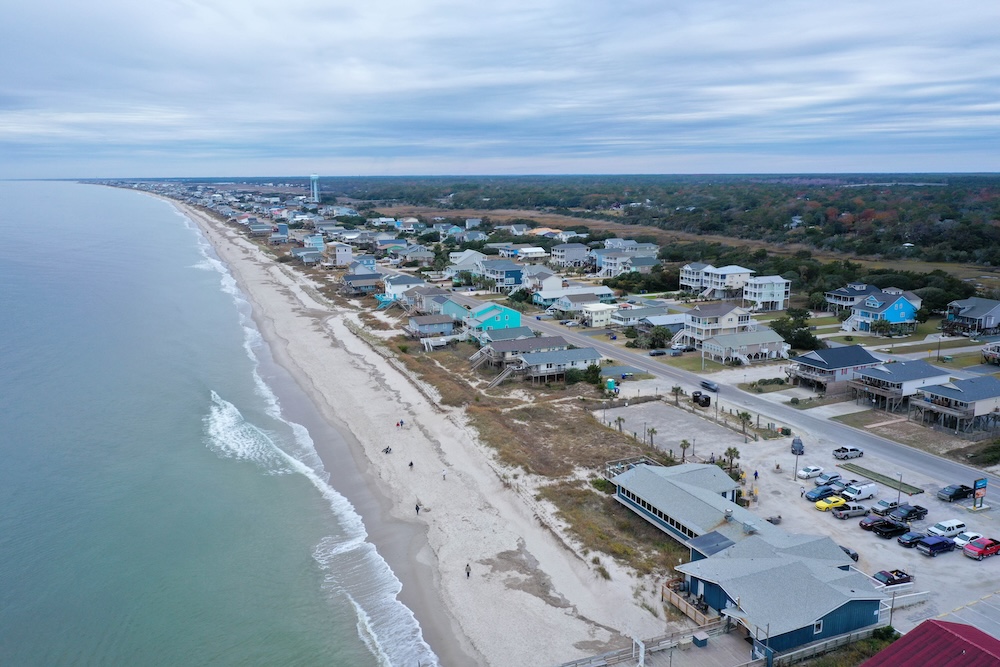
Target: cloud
442 86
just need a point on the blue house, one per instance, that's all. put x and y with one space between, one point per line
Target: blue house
894 306
492 316
784 590
505 274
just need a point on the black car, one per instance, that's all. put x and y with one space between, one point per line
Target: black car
955 492
657 353
889 529
872 520
850 552
820 492
910 539
907 513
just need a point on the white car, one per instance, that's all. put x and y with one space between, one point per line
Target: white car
962 539
572 324
810 471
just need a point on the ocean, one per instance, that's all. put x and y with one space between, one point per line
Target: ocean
158 506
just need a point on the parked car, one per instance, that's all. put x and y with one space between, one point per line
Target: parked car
871 521
842 484
657 353
955 492
910 539
861 490
826 478
797 447
892 577
676 353
819 493
883 507
572 323
890 529
850 552
981 548
810 471
907 513
850 510
962 539
847 453
932 545
830 503
678 346
689 348
948 528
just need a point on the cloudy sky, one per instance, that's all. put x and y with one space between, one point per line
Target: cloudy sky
116 88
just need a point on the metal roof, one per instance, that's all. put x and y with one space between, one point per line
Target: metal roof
975 307
529 344
747 338
941 644
508 334
421 320
715 309
561 356
966 391
903 371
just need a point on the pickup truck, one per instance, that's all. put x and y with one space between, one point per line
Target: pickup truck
932 545
908 513
955 492
892 577
981 548
850 510
847 453
883 507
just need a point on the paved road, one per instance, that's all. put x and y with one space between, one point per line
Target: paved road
910 460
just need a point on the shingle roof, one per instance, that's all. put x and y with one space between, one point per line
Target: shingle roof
902 371
422 320
561 356
529 344
748 338
508 334
975 307
848 356
715 309
967 391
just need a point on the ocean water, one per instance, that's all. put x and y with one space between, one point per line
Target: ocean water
157 507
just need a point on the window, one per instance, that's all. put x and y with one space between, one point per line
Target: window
818 627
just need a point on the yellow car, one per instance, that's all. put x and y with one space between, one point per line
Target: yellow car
830 503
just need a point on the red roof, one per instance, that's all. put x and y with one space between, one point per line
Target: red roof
936 643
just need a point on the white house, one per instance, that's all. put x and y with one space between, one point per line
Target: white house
341 253
597 314
764 293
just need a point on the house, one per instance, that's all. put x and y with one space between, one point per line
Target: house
506 352
845 297
672 323
364 283
422 298
537 278
629 317
492 316
569 255
597 314
363 263
472 223
421 326
692 276
746 347
782 590
708 320
471 236
415 254
340 253
830 370
546 298
894 306
469 257
937 643
725 282
505 274
395 286
974 315
766 293
962 405
548 366
889 386
513 333
572 304
643 265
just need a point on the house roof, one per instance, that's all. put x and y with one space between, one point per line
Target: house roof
556 293
561 356
698 266
975 307
759 280
758 337
848 356
731 268
937 643
403 280
903 371
528 344
646 311
714 309
363 279
644 261
569 246
966 391
424 320
500 265
587 297
664 320
855 290
885 300
513 333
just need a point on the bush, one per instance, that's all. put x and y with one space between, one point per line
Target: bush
603 485
574 375
795 400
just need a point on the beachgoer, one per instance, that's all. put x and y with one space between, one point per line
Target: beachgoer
755 475
444 473
401 424
411 465
468 571
802 491
418 509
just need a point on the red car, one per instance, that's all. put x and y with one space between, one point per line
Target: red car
981 548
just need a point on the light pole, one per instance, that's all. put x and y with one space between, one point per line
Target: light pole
795 470
899 489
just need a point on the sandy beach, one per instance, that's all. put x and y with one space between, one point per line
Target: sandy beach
528 597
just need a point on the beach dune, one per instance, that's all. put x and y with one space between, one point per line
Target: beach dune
527 597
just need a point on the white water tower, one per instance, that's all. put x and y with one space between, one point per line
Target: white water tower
314 187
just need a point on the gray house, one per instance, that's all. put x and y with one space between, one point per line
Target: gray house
890 386
421 326
546 366
569 254
830 370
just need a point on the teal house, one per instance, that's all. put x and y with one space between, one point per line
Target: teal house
492 316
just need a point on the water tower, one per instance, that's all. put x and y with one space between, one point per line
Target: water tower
314 187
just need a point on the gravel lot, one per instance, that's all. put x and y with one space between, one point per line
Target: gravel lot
952 579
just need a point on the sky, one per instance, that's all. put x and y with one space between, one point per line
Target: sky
162 88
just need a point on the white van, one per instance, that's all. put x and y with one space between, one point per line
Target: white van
860 491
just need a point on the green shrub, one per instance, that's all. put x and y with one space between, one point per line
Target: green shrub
795 400
603 485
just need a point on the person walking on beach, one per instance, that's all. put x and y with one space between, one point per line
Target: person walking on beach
411 465
418 509
468 571
755 475
802 491
444 473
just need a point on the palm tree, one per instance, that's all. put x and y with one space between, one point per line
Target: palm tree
619 421
651 432
684 445
676 391
732 454
745 418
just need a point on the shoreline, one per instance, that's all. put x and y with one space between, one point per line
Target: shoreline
529 599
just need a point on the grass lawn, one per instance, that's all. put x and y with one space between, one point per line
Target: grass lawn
691 361
823 321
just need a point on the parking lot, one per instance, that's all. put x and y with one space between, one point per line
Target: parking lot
952 579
